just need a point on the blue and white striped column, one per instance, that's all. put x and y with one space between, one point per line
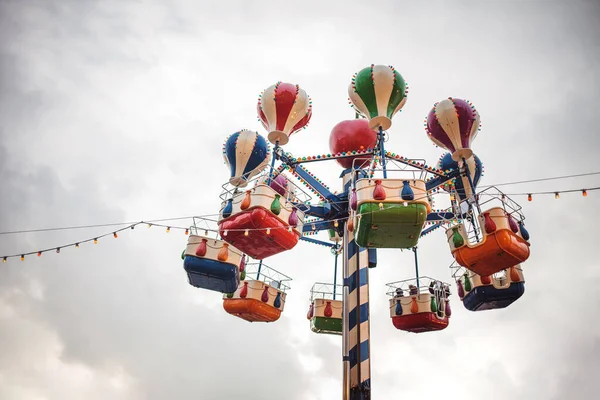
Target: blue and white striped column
357 362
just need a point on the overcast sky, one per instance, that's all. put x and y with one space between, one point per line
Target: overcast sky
115 111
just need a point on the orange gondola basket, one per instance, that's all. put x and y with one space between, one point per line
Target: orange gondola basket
261 299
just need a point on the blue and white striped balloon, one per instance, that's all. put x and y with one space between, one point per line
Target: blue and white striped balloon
246 154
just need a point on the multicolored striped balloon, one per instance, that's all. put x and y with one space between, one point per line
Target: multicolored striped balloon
284 109
462 185
453 125
378 92
246 154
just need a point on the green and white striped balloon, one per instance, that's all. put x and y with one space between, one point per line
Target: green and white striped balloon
378 92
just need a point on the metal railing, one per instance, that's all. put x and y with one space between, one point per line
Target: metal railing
326 291
410 287
259 271
293 191
398 169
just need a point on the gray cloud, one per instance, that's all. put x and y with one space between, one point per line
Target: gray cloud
115 111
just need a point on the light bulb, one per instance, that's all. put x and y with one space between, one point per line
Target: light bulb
556 195
168 229
405 204
39 253
246 232
529 197
381 206
584 192
149 226
22 257
313 227
95 241
4 259
335 223
76 245
58 250
290 229
268 231
115 235
187 232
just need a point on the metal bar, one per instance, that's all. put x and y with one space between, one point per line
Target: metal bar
318 226
299 161
471 184
259 267
273 162
315 241
305 176
335 271
382 151
440 179
417 267
321 211
431 228
440 216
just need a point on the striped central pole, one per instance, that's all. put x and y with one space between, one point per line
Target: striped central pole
356 326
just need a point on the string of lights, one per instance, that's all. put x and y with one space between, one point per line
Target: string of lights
206 218
95 239
436 192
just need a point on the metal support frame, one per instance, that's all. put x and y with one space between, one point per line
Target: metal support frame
356 262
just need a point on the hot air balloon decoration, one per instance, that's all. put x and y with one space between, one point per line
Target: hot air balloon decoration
453 124
378 92
284 109
246 154
462 185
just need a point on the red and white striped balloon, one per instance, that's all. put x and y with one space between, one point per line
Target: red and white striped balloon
283 109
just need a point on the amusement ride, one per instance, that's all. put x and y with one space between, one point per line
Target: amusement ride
272 201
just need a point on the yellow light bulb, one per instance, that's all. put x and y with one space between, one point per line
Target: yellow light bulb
4 259
246 233
335 223
381 206
76 245
95 241
556 195
168 229
149 226
22 257
268 231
